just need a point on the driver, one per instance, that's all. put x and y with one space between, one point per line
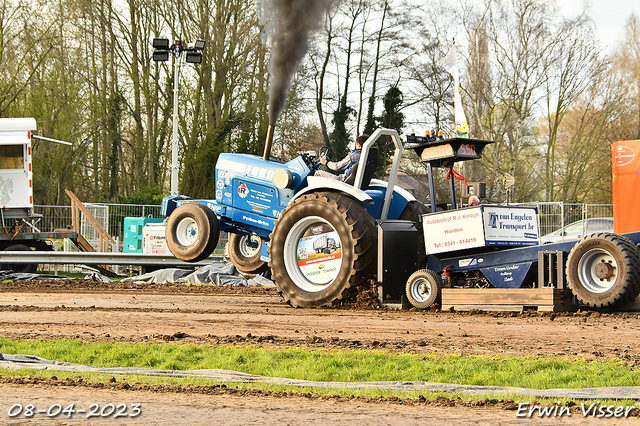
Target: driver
345 165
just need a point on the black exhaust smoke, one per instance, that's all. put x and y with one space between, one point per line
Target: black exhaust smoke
289 24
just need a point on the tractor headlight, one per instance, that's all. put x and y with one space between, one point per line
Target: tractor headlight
283 178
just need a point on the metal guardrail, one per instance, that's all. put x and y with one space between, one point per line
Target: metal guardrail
137 259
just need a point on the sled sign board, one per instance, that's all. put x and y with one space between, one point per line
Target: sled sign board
480 226
510 226
453 230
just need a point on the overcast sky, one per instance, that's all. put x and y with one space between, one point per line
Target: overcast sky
610 16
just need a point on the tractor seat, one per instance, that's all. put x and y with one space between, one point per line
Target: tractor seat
369 169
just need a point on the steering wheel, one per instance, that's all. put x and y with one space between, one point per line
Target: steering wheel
327 152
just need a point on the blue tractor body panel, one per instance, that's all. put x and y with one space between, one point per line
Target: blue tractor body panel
246 182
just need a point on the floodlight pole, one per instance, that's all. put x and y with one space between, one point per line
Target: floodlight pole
174 143
193 55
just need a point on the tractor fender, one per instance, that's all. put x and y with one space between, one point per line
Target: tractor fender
322 184
401 197
170 203
403 192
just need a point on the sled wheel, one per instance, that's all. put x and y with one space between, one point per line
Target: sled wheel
27 268
413 212
424 288
603 270
192 232
244 252
306 278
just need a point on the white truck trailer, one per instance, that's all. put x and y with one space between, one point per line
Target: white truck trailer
19 223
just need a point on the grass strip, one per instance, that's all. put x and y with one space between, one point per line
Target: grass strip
338 365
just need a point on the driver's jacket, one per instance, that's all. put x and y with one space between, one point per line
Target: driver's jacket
345 165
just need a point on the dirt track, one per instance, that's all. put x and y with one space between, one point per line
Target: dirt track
118 312
106 312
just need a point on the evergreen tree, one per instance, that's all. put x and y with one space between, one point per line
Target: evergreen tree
391 118
370 125
340 138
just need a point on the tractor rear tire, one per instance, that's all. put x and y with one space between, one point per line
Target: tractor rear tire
424 288
192 232
26 268
305 278
244 257
603 270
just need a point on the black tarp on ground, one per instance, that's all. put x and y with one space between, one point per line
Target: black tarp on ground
213 274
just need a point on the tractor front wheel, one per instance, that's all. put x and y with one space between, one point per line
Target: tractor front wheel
244 252
192 232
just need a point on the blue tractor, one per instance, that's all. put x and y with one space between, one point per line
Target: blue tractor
276 211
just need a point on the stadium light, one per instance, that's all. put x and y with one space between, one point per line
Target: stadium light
192 55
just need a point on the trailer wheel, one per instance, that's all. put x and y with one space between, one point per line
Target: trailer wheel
603 270
424 288
192 232
27 268
244 252
305 278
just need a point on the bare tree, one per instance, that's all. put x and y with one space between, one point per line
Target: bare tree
25 44
320 58
575 66
389 39
230 27
627 65
583 143
513 41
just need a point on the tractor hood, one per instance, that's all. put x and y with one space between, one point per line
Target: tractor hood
249 181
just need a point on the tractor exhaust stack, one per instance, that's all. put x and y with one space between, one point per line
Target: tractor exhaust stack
269 142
